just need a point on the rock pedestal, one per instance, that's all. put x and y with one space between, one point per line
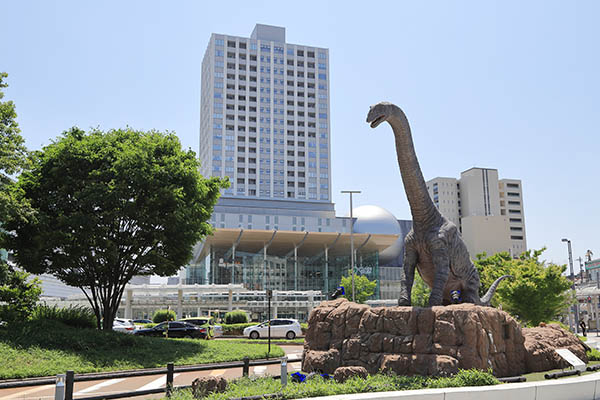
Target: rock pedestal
424 341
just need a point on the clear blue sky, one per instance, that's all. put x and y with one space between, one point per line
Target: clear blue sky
510 85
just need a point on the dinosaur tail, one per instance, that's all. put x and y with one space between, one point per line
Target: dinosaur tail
485 300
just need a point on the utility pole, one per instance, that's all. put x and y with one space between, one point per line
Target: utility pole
580 268
351 192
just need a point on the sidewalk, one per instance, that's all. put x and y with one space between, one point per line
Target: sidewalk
593 341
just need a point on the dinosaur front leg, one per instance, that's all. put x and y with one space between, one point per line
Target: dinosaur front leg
406 281
441 261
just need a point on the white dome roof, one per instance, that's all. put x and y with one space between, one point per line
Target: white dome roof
375 219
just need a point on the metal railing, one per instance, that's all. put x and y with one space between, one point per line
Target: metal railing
64 383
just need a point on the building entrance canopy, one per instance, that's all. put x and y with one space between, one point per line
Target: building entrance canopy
285 260
281 243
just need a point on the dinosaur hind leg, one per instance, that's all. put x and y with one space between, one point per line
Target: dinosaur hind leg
441 261
470 293
407 280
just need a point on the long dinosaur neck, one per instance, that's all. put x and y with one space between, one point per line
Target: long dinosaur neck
423 211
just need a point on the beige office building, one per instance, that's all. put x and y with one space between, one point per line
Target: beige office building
488 210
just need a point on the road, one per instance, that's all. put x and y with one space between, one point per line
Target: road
107 386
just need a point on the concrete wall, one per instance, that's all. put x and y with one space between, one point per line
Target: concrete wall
486 234
479 194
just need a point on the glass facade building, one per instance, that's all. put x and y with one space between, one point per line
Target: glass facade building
285 261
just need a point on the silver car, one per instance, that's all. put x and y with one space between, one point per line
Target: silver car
280 327
123 325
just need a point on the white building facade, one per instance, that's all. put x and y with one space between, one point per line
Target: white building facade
488 211
265 116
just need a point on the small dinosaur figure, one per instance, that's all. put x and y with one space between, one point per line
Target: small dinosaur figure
434 245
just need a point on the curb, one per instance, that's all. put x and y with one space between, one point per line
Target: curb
582 388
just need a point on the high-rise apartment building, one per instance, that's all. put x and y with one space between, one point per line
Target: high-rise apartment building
488 210
265 116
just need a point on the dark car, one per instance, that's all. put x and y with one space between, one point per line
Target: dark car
205 322
142 321
175 330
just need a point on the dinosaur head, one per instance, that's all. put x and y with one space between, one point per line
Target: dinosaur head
379 113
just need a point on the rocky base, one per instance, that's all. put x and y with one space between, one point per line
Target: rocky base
428 341
541 342
206 385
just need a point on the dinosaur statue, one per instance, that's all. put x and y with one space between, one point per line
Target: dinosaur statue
434 245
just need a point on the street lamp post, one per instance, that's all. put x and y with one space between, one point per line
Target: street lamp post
572 285
351 192
580 269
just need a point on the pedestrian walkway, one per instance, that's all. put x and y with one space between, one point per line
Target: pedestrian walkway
110 386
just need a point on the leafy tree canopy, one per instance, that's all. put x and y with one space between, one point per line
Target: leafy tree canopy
539 291
420 292
363 287
111 205
13 157
19 293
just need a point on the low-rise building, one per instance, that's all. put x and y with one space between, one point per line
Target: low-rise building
488 211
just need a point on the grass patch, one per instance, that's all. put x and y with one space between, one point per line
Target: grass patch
45 348
318 386
539 376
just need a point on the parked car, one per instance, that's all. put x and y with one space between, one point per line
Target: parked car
123 325
142 321
177 329
287 328
205 322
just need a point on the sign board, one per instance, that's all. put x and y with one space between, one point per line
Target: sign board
571 358
593 264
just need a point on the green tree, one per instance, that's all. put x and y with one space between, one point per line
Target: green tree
111 205
420 292
538 292
13 157
363 287
18 293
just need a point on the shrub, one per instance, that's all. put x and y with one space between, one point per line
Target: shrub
236 317
235 329
259 387
75 316
593 354
18 292
163 315
465 377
